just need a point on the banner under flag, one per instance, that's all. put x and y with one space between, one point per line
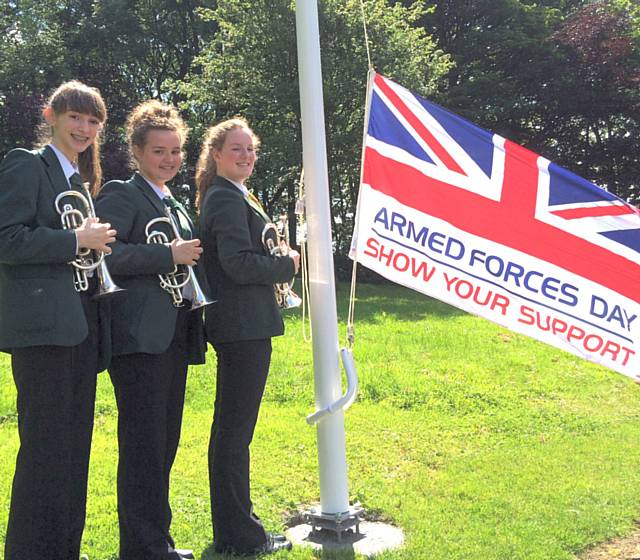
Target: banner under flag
472 219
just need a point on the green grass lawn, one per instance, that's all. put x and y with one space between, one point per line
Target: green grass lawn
479 443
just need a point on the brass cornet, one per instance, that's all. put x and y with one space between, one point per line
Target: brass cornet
173 282
275 239
87 259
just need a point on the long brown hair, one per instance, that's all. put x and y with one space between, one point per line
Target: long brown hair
214 140
80 98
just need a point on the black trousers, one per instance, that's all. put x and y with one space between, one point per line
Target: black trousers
241 377
149 390
56 387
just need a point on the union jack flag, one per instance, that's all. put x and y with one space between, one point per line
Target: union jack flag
430 160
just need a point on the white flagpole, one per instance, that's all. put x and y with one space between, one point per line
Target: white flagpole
334 491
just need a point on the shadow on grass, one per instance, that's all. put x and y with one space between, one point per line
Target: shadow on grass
345 553
210 554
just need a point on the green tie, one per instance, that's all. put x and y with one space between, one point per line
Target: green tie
179 215
76 182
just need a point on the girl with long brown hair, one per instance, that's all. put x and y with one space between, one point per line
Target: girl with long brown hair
51 325
241 273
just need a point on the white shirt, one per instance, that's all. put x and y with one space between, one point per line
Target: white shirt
68 169
158 190
244 190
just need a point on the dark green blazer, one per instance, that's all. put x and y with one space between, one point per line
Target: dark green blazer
143 318
38 302
240 273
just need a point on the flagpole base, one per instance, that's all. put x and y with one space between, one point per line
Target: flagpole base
335 522
343 532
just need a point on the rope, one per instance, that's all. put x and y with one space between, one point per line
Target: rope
352 293
366 35
351 333
304 269
306 300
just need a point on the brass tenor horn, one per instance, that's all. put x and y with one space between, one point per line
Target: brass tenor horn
275 238
87 260
173 282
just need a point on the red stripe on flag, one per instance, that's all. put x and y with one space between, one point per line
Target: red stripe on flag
422 131
486 218
593 212
520 181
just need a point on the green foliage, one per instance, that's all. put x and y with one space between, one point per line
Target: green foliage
478 442
558 76
250 68
126 49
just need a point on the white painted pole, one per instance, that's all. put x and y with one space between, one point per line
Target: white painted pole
334 491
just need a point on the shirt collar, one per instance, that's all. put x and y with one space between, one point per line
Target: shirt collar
156 189
67 167
244 190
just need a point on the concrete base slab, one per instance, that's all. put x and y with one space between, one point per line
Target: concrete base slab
372 539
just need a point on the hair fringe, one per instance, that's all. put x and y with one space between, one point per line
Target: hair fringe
80 98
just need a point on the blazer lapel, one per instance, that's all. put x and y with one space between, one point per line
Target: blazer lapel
54 171
255 207
156 201
149 193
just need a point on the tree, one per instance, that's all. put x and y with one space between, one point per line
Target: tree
599 106
126 49
251 69
556 76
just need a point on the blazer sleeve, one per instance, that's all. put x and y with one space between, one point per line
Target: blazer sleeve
23 239
131 254
227 221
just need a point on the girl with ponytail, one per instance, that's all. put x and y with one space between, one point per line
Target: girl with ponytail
240 273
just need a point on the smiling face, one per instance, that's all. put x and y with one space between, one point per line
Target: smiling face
161 156
236 158
72 132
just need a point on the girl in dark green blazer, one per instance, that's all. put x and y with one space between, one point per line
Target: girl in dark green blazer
52 330
153 340
240 273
